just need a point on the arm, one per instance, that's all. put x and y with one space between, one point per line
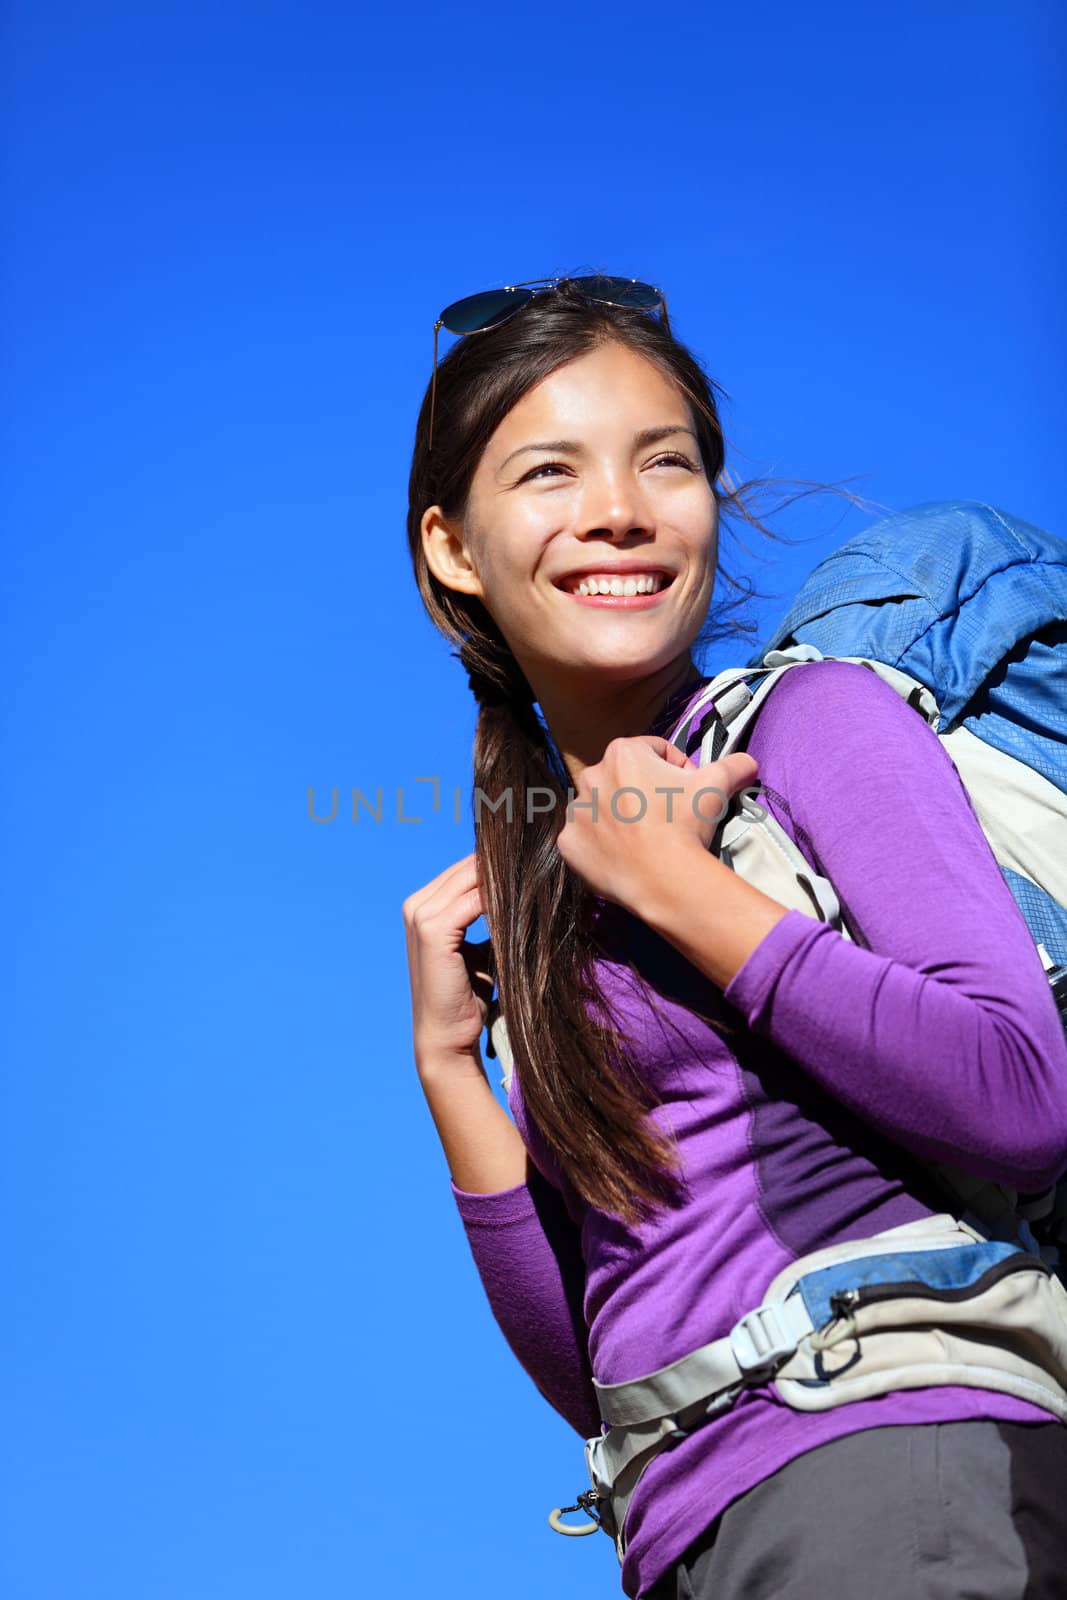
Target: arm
527 1253
937 1026
524 1244
482 1145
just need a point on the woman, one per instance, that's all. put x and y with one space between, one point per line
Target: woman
708 1085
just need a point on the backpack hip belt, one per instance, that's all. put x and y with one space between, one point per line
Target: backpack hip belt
929 1303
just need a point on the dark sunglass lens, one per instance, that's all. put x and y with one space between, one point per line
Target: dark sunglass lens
621 292
480 311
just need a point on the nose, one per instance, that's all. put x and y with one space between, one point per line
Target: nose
613 507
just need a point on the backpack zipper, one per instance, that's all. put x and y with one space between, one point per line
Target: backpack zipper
843 1302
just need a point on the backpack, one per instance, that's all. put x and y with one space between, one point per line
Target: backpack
962 609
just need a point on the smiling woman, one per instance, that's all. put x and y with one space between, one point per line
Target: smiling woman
710 1087
499 521
608 502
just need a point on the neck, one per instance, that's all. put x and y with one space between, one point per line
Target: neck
582 726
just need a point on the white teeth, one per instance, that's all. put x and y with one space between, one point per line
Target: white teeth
649 583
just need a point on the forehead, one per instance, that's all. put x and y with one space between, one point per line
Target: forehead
611 391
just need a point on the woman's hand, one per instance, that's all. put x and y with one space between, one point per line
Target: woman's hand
643 808
451 979
451 987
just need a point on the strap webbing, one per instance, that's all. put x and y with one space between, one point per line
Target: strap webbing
754 1348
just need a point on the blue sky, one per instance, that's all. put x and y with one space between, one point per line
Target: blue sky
246 1351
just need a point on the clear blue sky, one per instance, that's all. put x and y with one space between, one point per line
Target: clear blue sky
245 1351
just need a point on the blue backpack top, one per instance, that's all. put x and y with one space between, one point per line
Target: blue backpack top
972 602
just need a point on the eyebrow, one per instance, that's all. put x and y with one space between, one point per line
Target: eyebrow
647 436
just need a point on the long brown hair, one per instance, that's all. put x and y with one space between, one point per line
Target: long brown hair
579 1084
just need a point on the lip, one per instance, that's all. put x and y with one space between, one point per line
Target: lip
616 569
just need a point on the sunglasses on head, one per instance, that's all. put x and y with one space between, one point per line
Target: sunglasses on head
478 312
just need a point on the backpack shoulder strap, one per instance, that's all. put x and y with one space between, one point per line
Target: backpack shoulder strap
724 711
755 846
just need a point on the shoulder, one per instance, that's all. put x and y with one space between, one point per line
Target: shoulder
833 736
844 685
870 793
838 705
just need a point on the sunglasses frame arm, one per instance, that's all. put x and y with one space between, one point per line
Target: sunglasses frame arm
433 386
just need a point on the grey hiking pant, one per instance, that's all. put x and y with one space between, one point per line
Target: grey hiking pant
942 1511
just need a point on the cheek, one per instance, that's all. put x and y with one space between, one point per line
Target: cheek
508 550
506 579
536 516
701 530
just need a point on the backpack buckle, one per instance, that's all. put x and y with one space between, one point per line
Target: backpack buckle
586 1502
761 1341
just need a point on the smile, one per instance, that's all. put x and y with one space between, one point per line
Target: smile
632 590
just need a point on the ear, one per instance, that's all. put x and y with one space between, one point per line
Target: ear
447 555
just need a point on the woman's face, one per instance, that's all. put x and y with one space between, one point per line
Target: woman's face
594 476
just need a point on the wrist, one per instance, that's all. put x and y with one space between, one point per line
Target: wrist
482 1145
712 916
661 900
436 1064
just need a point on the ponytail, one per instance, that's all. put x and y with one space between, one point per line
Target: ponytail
589 1105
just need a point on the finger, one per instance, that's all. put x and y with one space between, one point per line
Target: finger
734 771
453 917
460 875
663 748
448 912
678 758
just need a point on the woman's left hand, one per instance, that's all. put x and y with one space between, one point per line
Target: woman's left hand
643 808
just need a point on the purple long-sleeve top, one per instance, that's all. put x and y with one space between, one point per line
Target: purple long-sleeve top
933 1034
